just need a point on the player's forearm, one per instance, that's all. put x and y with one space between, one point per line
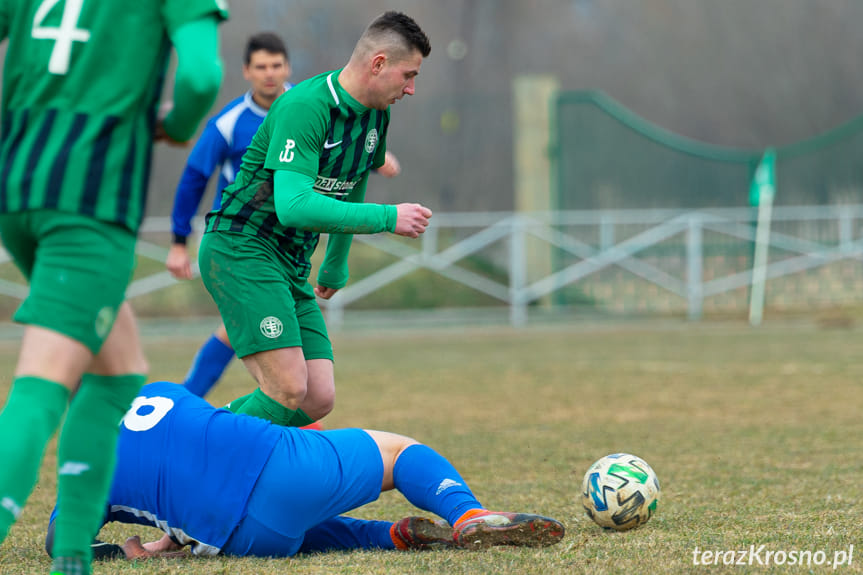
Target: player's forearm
299 206
333 272
186 201
198 76
334 269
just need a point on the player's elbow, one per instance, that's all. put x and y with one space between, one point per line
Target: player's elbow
202 85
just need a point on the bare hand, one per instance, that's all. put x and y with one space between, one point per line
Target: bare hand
178 262
325 292
160 135
412 220
164 547
391 167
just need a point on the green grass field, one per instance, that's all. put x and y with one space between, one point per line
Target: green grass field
755 436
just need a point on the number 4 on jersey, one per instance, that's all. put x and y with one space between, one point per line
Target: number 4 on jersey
63 35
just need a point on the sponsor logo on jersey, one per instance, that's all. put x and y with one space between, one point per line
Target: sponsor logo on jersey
271 327
371 140
328 145
334 186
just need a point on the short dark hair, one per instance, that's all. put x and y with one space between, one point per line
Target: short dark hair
404 26
266 41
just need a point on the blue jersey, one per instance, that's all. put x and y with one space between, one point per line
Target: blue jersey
230 451
222 143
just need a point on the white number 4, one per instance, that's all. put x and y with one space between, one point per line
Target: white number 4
63 35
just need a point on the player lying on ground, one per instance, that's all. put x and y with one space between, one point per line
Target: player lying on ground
238 485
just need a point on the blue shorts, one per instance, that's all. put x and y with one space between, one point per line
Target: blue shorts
310 477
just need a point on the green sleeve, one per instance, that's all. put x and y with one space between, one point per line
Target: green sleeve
176 13
199 74
334 269
299 206
297 133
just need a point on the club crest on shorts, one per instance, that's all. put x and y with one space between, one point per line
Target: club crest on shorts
104 322
271 327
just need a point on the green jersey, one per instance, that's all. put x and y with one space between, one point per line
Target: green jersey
79 101
317 129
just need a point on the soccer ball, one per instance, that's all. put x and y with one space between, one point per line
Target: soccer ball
620 491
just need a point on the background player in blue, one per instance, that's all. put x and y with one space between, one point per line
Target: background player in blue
267 68
216 481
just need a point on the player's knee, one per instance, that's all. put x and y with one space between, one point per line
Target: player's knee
291 396
391 445
317 410
402 444
319 402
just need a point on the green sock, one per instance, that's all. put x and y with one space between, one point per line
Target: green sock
259 404
66 566
86 458
300 419
236 404
33 411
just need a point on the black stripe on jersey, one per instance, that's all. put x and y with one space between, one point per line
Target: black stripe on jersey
36 153
288 246
327 152
265 230
263 192
379 126
93 182
360 147
148 162
9 159
58 170
346 141
125 191
227 202
284 244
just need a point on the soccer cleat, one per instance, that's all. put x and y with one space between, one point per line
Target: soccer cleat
489 528
104 551
421 533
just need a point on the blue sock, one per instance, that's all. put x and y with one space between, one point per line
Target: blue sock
209 365
430 482
340 533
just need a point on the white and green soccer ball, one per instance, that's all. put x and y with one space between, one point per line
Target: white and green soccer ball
620 491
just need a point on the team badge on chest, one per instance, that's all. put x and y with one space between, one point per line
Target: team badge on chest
371 140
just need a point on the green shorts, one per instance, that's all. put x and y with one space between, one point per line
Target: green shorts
263 304
78 268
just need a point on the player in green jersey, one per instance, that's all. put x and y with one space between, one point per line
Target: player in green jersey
81 86
304 174
220 149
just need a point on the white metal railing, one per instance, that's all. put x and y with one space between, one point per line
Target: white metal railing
560 229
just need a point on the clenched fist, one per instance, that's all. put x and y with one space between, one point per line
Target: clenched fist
412 220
